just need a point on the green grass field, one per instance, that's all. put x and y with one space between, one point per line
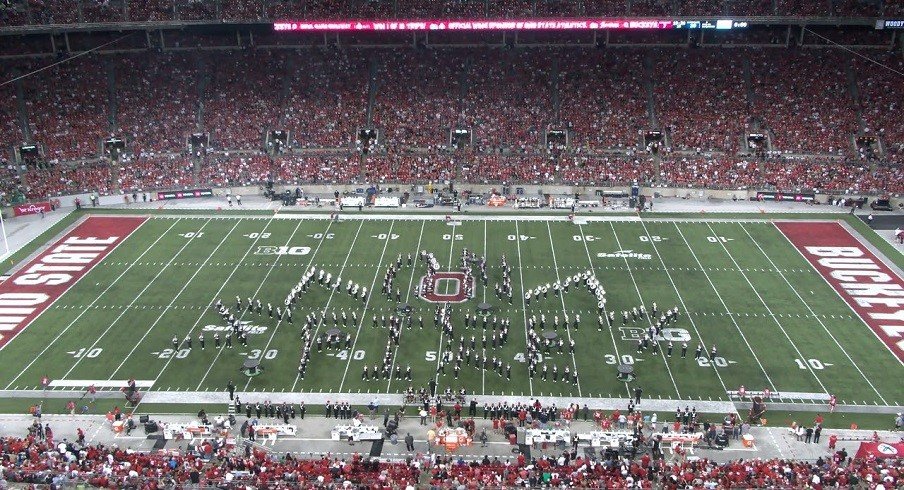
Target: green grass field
738 285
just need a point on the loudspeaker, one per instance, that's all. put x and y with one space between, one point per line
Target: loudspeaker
150 427
144 419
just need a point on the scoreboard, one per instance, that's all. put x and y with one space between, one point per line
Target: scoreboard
505 24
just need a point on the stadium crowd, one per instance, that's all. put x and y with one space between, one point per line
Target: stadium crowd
175 172
39 459
808 102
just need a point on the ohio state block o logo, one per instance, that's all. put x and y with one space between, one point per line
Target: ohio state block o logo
445 287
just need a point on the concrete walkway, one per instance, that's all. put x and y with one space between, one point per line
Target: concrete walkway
313 439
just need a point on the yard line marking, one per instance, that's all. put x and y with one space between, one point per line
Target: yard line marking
730 315
280 321
530 380
771 314
184 286
605 311
769 310
259 287
407 296
330 300
134 300
439 350
364 314
74 320
561 295
810 309
483 372
640 297
683 306
209 303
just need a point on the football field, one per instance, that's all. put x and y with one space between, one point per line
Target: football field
746 287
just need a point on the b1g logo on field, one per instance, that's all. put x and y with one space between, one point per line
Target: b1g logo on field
445 287
271 250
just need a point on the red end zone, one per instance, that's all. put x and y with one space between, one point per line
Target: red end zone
31 290
872 290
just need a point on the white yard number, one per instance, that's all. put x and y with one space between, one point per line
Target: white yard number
256 354
385 236
91 354
326 236
192 234
450 237
625 359
430 356
514 238
814 363
584 238
343 354
254 236
716 361
717 239
180 354
655 238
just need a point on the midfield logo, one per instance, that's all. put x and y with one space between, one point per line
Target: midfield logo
246 326
624 254
271 250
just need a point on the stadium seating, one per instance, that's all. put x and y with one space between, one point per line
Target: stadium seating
806 99
242 98
603 100
236 170
680 102
327 98
508 99
163 172
62 180
307 169
10 129
881 99
158 101
32 461
712 173
418 97
409 168
69 115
